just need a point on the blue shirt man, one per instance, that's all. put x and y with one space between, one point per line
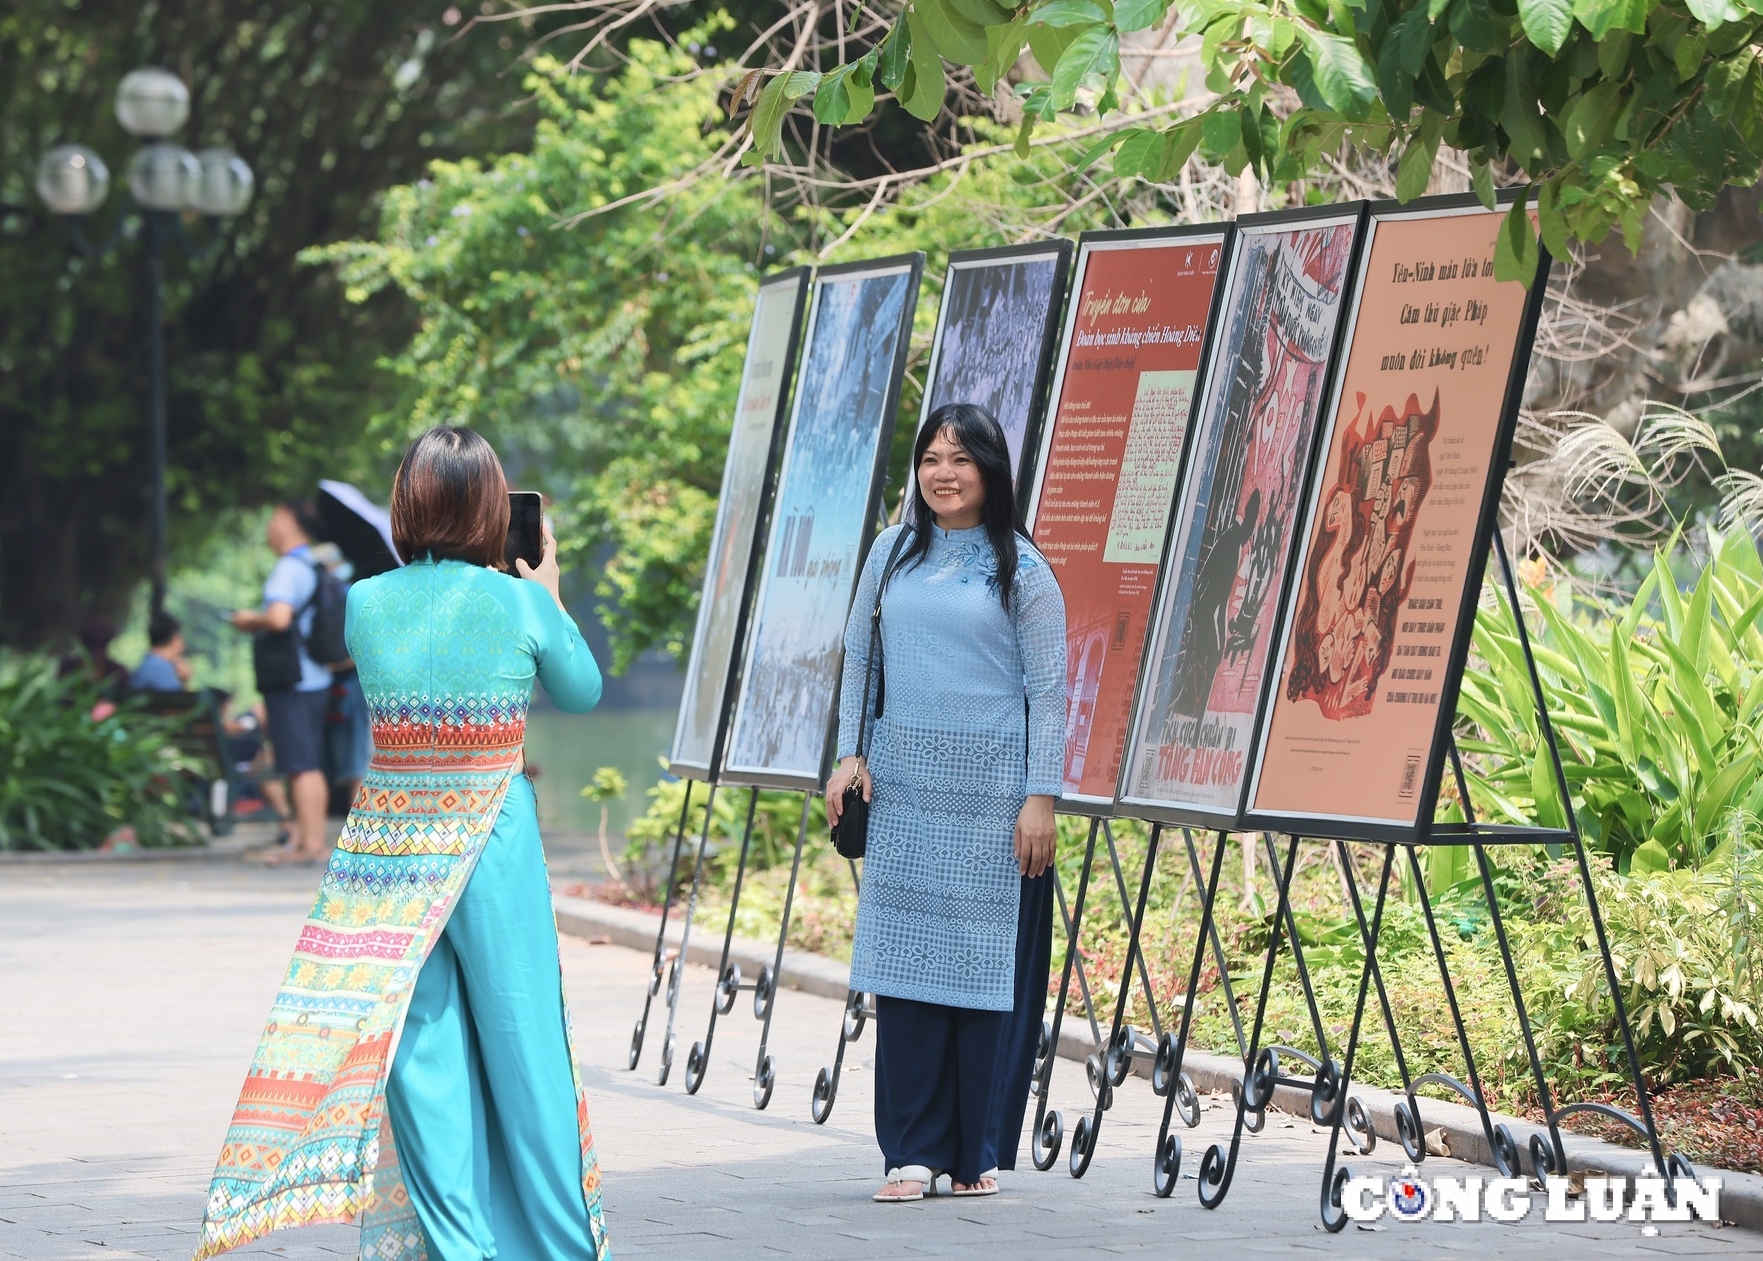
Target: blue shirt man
293 582
296 715
163 669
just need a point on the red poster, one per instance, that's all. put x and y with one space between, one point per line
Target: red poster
1110 463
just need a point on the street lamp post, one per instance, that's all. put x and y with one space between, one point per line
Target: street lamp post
164 180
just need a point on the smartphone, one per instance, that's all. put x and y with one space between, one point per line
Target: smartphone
526 529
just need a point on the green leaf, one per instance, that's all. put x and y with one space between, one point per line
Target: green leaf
1095 52
1481 179
1518 115
1548 23
1551 223
957 39
896 55
923 97
1725 80
1060 13
1141 151
1183 139
767 119
1715 13
1003 49
846 95
1590 119
1649 856
1415 41
1048 43
1221 130
1600 17
1023 133
1415 168
1515 253
1138 15
981 12
1343 79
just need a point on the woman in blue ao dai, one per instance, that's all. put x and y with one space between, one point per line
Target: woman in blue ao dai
963 767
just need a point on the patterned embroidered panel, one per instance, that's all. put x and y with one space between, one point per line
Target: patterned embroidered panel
310 1141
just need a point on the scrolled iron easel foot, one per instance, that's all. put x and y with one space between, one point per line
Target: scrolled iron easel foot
1083 1142
1334 1214
1326 1095
666 1061
826 1090
764 1078
1049 1137
1216 1169
1408 1131
1166 1171
637 1044
1359 1128
696 1063
728 988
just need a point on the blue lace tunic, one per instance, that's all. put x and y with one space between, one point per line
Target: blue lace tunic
952 759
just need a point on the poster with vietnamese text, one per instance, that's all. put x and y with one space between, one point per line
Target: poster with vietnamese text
1413 456
1110 462
1205 677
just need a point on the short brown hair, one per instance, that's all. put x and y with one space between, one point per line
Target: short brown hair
450 499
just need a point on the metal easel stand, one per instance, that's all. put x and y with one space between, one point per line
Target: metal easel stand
656 966
1109 1069
1547 1156
765 987
1167 1075
676 972
859 1011
728 976
1048 1134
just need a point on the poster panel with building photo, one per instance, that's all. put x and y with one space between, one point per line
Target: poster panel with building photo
1110 462
760 412
996 332
1413 457
1235 525
822 520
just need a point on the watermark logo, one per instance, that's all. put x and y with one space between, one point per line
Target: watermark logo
1408 1197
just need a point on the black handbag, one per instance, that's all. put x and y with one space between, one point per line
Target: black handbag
851 832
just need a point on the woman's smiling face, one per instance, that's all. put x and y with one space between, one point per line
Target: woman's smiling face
950 482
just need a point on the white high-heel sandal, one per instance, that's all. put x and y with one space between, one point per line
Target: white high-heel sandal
923 1175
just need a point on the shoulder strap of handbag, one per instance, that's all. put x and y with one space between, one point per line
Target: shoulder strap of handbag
875 626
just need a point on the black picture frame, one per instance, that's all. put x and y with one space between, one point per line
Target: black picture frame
763 771
1222 236
726 673
1059 251
1189 813
1366 828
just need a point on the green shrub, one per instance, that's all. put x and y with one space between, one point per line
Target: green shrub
71 774
1656 713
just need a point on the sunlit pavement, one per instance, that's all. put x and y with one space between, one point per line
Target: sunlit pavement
131 997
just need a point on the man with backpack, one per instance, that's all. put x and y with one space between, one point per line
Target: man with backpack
298 638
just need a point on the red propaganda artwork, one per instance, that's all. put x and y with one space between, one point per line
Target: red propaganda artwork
1354 587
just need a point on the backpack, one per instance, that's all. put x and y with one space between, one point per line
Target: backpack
325 643
275 655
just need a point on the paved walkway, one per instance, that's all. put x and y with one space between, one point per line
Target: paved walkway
131 997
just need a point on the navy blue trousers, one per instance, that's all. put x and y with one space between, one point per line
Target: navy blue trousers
951 1083
1022 1030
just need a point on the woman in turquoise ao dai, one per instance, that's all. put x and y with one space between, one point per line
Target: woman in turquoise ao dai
963 767
416 1074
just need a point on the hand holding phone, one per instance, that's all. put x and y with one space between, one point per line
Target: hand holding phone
526 530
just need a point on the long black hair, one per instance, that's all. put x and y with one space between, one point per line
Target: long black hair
977 432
